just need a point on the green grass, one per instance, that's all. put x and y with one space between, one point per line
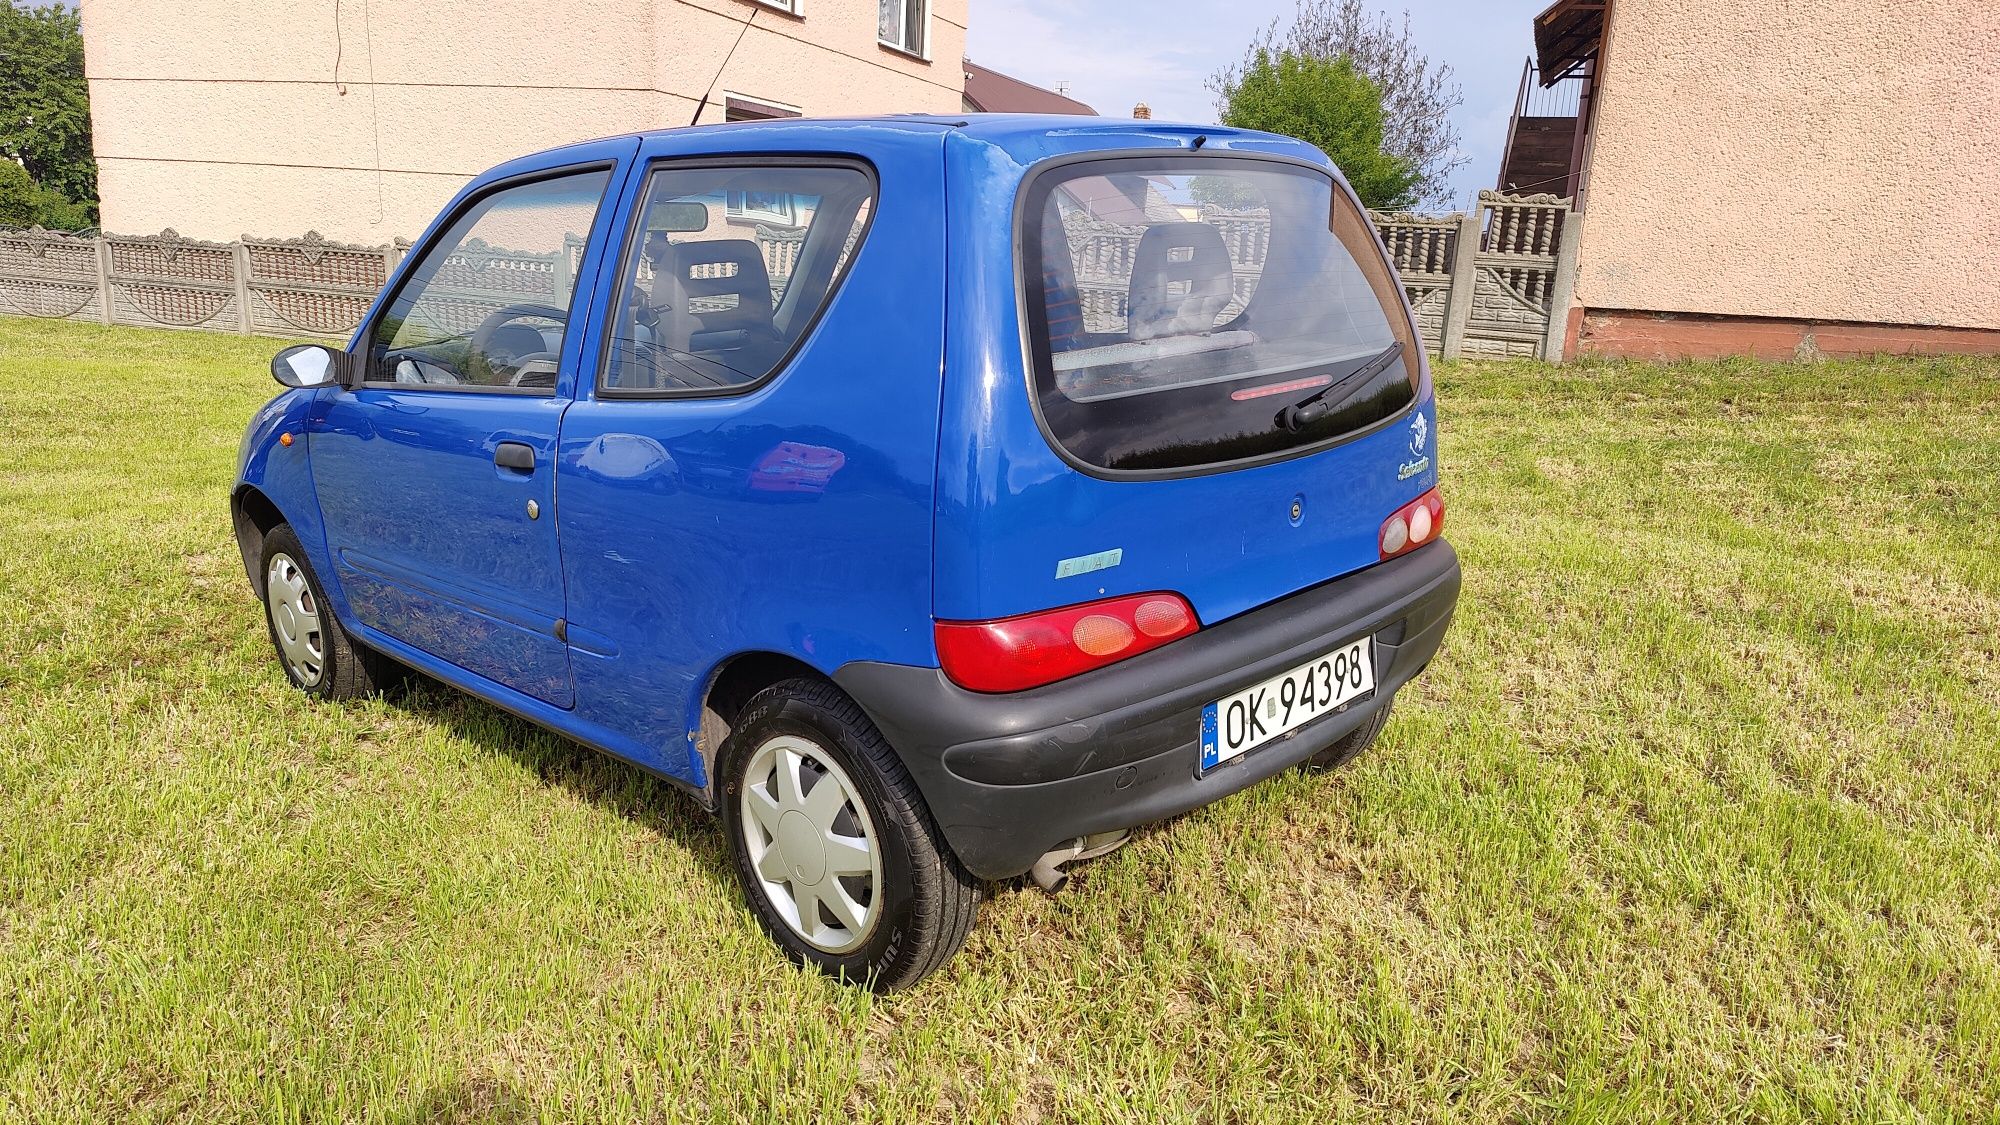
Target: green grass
1693 819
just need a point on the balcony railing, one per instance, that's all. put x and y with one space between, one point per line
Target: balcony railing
1563 99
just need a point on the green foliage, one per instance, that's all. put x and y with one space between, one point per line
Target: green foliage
23 203
1230 193
44 101
1327 104
54 212
18 204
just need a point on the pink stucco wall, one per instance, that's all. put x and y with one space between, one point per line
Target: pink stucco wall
1831 160
220 118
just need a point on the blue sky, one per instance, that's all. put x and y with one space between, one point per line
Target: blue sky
1114 54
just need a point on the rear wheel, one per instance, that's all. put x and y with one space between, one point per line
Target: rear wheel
316 653
837 853
1352 745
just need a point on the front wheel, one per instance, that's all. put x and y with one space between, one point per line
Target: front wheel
837 853
316 653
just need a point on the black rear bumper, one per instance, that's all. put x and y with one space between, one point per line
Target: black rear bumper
1010 777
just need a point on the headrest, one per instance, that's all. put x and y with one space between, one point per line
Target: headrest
1181 279
727 265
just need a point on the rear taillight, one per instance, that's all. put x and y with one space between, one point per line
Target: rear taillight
1414 524
1015 653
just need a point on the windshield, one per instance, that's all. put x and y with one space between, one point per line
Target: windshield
1180 308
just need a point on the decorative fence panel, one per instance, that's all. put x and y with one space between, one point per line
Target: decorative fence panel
1514 276
1496 282
1424 249
166 281
50 275
311 287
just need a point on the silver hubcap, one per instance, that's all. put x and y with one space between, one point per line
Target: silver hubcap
811 844
295 620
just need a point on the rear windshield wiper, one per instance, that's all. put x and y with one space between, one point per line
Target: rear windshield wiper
1314 406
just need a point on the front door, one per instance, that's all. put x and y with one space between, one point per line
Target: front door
436 473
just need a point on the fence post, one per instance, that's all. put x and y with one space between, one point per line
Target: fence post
1563 290
103 279
559 276
1464 268
242 287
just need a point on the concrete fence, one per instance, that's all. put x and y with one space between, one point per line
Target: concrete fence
301 287
1495 282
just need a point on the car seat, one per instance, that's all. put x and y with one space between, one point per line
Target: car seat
1181 279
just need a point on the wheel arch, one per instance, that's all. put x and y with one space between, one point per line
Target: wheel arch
729 685
254 516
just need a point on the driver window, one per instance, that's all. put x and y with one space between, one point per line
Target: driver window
486 306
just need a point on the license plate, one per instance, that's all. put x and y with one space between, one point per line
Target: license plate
1236 724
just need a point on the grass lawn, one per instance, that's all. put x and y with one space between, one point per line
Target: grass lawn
1696 817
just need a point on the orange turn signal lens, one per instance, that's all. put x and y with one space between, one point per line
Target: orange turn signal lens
1099 635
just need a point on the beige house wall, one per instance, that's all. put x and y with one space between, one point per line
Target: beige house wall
360 119
1832 160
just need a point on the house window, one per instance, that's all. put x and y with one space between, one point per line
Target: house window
902 24
773 208
789 7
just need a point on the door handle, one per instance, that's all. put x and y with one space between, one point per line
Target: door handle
514 455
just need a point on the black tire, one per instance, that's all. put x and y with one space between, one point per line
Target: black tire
927 901
1352 746
344 669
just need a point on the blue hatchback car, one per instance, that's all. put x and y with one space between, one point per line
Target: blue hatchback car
934 499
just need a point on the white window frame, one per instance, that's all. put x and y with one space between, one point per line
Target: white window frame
789 7
737 208
903 48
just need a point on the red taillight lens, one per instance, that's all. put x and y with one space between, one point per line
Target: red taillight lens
1016 653
1413 525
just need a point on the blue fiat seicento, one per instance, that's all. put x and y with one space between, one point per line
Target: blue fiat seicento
934 499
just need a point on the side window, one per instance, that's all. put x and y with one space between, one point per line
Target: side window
728 269
487 304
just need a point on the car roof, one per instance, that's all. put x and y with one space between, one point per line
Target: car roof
1025 138
994 127
1024 135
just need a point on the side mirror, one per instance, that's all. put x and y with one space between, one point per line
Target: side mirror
306 365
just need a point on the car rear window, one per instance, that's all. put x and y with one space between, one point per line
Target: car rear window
1178 307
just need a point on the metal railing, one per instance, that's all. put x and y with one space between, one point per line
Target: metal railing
1564 98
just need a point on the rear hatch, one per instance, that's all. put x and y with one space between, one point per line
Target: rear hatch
1221 354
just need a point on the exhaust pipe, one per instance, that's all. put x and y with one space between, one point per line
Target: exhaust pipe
1047 875
1048 872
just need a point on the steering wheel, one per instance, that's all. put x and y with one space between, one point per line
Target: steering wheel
535 363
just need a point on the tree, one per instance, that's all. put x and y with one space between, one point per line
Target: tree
1417 97
18 206
44 101
53 212
1329 104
